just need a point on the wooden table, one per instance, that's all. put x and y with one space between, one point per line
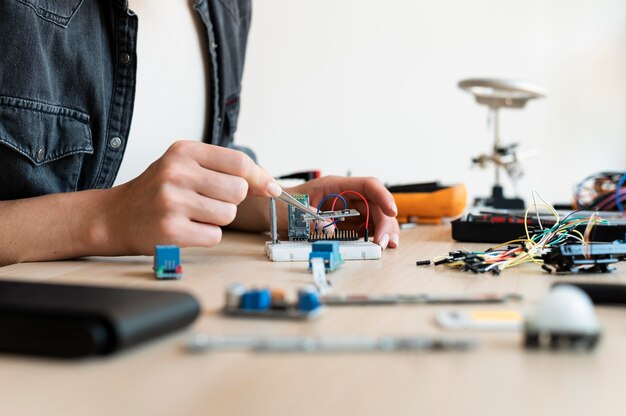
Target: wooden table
162 378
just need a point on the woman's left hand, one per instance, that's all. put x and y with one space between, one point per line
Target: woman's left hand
383 226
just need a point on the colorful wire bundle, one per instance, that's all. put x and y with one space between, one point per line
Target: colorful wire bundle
604 191
345 205
367 207
319 207
525 250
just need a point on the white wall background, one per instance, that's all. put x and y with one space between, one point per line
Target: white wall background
370 87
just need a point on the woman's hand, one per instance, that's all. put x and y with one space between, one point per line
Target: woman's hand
383 226
184 198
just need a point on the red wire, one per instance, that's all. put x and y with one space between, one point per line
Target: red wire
367 206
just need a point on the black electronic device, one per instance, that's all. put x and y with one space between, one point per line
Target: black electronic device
76 321
600 293
498 226
592 257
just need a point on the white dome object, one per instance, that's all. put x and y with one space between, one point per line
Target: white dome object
566 309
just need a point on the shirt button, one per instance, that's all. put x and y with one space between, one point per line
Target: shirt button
214 46
124 58
41 153
115 143
219 120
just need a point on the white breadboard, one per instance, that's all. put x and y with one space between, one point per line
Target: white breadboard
299 250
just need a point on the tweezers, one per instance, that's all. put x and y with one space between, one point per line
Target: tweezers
288 199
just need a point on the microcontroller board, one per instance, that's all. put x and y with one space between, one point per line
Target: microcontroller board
298 229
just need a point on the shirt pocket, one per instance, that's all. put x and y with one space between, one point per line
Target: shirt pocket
41 147
59 12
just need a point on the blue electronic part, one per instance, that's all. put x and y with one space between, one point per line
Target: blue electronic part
308 300
167 262
256 300
271 303
329 252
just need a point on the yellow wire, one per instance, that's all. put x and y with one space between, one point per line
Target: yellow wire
531 247
580 234
556 216
517 240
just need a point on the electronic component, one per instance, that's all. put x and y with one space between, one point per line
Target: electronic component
71 321
267 303
341 196
318 269
475 262
592 257
297 227
328 251
308 300
600 293
490 319
338 214
290 200
498 226
419 299
564 243
565 258
299 246
565 319
201 342
167 262
300 250
335 235
423 263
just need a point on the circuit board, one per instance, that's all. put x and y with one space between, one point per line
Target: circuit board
290 313
300 250
337 235
301 236
298 228
342 213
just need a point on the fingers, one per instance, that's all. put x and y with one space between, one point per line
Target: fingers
383 226
203 235
218 208
194 234
382 208
384 230
220 186
387 230
371 188
229 161
210 211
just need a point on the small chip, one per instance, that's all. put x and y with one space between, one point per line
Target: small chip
298 228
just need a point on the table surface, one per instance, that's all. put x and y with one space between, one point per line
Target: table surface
162 378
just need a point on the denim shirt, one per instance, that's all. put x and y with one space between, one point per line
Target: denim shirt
67 86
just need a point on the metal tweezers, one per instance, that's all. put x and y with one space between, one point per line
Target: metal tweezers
285 197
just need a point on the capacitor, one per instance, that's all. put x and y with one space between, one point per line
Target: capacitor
256 299
308 299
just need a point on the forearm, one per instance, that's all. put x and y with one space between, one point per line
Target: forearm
183 198
54 227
